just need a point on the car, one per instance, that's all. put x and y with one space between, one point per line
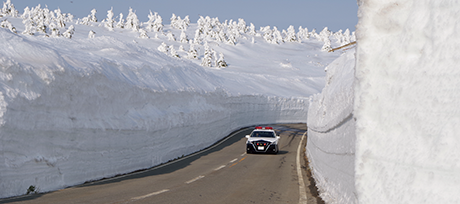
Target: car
262 140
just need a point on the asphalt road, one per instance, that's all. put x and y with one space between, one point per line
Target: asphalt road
223 173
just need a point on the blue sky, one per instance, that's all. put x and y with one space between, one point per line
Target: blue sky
335 14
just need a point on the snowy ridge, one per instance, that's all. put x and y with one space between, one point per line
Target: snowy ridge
331 133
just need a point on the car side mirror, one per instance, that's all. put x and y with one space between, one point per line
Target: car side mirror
247 136
278 137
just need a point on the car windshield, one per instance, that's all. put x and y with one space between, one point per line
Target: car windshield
262 134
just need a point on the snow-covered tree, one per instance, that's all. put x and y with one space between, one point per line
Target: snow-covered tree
150 24
60 18
324 35
173 52
303 34
174 21
346 37
8 9
91 34
6 24
327 45
143 34
109 21
163 48
291 35
183 37
121 22
231 39
185 23
69 32
277 37
221 62
132 22
158 23
197 38
192 52
171 36
55 32
92 17
252 29
207 58
242 27
267 34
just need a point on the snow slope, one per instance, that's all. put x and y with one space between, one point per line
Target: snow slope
83 108
386 131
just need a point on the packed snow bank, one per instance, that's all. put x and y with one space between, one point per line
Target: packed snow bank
331 133
407 102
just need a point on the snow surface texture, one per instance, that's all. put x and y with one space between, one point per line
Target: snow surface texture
331 133
88 101
407 102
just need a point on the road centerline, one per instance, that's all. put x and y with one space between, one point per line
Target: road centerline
150 194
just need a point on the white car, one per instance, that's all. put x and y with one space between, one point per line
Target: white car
262 140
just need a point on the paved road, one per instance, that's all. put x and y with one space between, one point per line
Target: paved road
221 174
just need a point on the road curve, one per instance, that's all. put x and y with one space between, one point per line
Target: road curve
223 173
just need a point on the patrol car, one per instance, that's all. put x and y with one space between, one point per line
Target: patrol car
262 140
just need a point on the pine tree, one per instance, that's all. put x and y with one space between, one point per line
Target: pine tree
60 18
55 32
171 36
163 48
242 28
91 34
183 37
121 22
221 62
132 22
6 24
158 24
327 45
277 38
143 34
93 16
150 24
192 53
69 32
173 52
291 35
109 20
206 61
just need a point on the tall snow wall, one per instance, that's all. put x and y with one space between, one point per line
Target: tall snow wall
405 107
331 133
67 117
407 101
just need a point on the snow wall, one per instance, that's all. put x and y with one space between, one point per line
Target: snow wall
331 133
68 117
406 109
407 102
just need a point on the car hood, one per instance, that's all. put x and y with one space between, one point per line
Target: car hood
268 139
